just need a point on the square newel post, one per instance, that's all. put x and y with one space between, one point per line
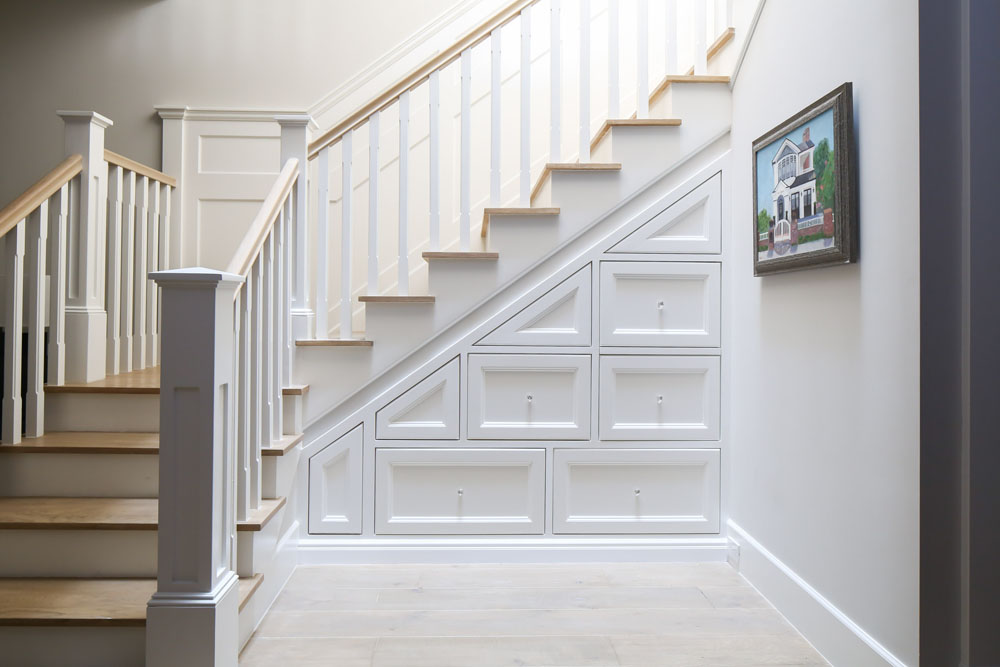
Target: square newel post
193 618
295 144
86 319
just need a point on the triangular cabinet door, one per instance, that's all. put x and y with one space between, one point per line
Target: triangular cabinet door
692 224
559 317
335 486
426 411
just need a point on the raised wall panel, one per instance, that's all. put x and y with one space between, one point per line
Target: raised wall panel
529 396
636 491
335 485
561 316
426 411
459 491
659 398
660 304
692 224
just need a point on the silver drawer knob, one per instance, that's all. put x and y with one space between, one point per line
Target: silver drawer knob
659 399
460 492
659 305
637 492
530 398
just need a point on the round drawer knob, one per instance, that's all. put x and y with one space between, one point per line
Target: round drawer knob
659 305
460 492
659 399
530 398
637 491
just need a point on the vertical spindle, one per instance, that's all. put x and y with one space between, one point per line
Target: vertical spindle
700 38
671 34
642 60
244 408
113 281
139 277
152 289
466 151
58 216
128 272
525 181
34 306
257 398
614 95
322 243
404 204
584 81
373 173
435 159
346 198
13 267
267 380
277 321
555 74
495 118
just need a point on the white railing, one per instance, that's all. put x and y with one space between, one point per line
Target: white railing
401 134
76 248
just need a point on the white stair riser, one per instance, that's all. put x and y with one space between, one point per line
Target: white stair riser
102 412
78 553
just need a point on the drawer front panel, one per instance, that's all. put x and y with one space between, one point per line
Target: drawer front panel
459 491
660 304
636 491
659 398
537 396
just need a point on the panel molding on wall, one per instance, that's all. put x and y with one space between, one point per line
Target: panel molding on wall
426 411
335 481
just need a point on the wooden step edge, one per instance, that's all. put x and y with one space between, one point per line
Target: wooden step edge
514 210
584 166
67 513
99 389
468 254
80 442
247 587
285 445
295 390
378 298
631 122
334 342
260 517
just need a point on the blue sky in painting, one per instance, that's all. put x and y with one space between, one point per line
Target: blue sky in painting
820 127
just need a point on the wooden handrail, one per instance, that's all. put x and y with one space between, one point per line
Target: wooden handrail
254 239
138 168
418 75
33 197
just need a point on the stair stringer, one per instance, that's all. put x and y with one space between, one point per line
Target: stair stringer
461 338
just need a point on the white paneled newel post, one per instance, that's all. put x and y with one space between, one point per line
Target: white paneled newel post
295 144
86 320
193 618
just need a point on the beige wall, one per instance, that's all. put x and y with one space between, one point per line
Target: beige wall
123 57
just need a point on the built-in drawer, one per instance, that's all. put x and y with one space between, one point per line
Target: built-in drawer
529 396
660 304
659 398
636 491
459 491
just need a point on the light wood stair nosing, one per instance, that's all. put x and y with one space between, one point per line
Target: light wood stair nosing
334 342
465 254
378 298
526 211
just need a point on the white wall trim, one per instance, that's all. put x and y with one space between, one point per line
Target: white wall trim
830 630
751 29
167 111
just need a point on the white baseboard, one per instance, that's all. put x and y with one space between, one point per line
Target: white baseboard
839 639
336 550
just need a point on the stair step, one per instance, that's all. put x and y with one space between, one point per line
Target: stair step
571 166
87 442
422 298
519 210
146 381
86 602
28 513
283 446
631 122
474 254
334 342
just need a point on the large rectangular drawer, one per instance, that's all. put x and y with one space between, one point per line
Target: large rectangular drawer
659 398
636 491
459 491
529 396
660 304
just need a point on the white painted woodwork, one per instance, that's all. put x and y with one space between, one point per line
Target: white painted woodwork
525 170
276 319
529 396
267 379
614 93
13 268
700 38
403 262
287 316
335 475
636 491
34 319
496 118
346 197
373 176
642 60
465 159
128 268
584 81
434 151
196 596
560 317
426 411
661 304
659 398
459 491
245 450
152 260
255 415
59 216
113 283
295 145
555 82
323 243
140 273
671 30
692 224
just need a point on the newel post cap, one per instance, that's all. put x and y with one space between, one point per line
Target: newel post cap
89 116
196 275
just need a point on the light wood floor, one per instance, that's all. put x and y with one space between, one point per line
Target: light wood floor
556 615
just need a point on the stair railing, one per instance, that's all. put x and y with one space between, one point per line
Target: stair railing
76 248
681 26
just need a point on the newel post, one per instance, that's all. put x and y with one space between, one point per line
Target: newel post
86 319
295 144
193 618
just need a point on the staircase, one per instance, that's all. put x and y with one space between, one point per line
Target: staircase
269 414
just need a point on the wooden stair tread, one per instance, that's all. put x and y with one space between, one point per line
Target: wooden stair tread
467 254
33 513
146 381
583 166
379 298
285 445
631 122
514 210
86 442
334 342
86 602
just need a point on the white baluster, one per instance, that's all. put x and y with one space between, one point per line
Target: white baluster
435 160
152 292
614 94
58 215
257 397
555 67
128 281
642 60
346 199
163 256
34 306
373 174
277 321
404 203
267 379
13 266
584 80
719 16
287 296
729 14
244 408
322 243
671 36
113 283
139 278
495 119
465 165
525 107
294 145
700 38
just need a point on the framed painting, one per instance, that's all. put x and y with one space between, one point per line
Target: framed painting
805 189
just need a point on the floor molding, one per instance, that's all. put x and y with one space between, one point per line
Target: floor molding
830 630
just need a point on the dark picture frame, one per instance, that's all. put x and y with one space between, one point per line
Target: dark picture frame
809 218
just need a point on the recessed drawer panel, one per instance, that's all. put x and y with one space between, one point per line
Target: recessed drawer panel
660 304
459 491
636 491
659 398
538 396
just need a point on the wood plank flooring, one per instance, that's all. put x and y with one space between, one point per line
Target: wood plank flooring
674 615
